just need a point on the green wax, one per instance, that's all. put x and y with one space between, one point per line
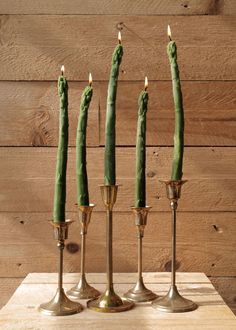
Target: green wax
140 179
110 132
179 114
81 170
60 180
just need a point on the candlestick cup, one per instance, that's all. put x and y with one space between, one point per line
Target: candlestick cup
139 293
83 290
109 301
60 305
173 302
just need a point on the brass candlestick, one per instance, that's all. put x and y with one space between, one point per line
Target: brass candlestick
109 301
139 293
60 305
83 290
173 302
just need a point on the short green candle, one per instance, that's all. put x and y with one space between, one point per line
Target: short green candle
81 168
60 180
110 130
140 177
177 164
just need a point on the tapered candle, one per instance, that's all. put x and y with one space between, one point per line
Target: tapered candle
140 179
81 169
110 130
179 111
60 180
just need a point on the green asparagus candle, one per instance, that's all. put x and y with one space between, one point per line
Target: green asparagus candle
110 132
140 183
81 170
60 180
179 112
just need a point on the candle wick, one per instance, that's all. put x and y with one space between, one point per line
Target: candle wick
62 72
170 38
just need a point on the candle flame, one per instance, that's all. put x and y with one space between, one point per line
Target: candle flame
169 31
62 70
90 79
119 37
146 83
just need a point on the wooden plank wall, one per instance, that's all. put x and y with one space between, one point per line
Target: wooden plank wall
36 37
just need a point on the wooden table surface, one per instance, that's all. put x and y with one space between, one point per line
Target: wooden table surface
21 311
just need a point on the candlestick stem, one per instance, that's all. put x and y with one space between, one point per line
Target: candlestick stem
61 246
60 305
109 239
109 301
83 290
140 257
173 260
173 302
83 250
139 293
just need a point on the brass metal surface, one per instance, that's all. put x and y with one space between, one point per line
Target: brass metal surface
109 301
139 293
173 302
173 188
60 305
109 194
83 290
60 229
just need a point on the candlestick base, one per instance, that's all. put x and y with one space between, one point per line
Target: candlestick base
139 293
83 290
60 305
109 302
173 302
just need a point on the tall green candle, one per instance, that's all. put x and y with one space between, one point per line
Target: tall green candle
110 131
179 112
60 180
81 169
140 183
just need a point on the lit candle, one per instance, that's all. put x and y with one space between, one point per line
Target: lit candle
110 131
60 180
81 170
140 177
179 111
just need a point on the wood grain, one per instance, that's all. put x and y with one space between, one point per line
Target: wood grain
206 243
119 7
209 113
119 278
29 63
211 314
226 286
36 37
7 287
146 31
211 174
33 47
31 113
